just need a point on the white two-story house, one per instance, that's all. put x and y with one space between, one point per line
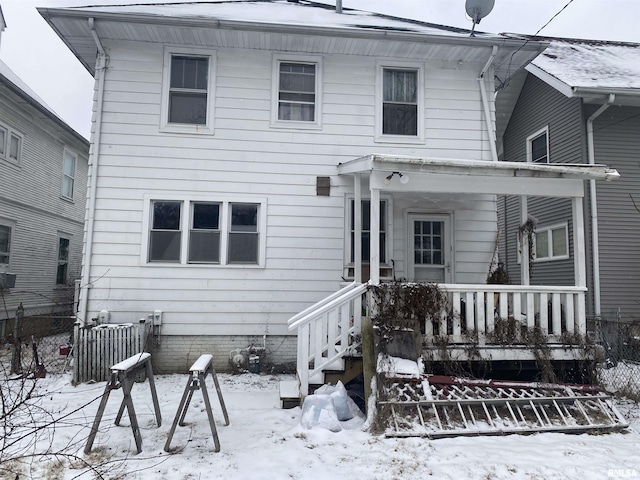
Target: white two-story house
251 158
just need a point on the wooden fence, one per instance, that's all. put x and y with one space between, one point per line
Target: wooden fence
96 348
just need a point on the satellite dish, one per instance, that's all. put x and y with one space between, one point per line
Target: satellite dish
477 10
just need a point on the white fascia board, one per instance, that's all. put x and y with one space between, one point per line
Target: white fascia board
549 79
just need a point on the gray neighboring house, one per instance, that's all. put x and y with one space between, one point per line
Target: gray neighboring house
43 180
578 102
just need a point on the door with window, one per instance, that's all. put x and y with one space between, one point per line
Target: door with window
429 248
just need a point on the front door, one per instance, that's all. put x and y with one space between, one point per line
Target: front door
429 248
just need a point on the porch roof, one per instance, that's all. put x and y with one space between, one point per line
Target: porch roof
444 175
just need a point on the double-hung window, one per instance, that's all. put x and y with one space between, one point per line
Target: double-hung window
551 243
10 144
188 91
5 246
296 92
63 261
68 174
399 102
210 231
365 241
538 146
166 231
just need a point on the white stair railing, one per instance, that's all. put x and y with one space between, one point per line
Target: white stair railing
327 331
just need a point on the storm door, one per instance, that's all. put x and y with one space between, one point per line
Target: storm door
429 248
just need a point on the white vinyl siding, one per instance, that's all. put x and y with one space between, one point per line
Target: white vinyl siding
188 91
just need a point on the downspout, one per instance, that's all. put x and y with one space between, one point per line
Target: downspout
591 155
101 65
485 105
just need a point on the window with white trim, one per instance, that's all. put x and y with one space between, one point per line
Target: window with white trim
399 102
10 144
296 91
188 91
219 232
62 270
68 174
5 246
551 243
538 146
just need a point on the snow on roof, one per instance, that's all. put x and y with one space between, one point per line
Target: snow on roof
11 76
591 63
284 12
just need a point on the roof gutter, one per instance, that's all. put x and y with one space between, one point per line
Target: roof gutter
94 157
594 206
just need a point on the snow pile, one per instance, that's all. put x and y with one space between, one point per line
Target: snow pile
330 407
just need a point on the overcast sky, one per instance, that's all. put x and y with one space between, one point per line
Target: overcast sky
35 53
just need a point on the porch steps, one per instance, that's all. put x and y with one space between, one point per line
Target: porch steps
439 407
290 392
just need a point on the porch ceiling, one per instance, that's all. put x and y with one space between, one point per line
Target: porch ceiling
438 175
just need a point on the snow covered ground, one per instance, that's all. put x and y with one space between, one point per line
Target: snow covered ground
265 442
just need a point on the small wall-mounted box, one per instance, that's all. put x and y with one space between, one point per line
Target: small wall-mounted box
7 280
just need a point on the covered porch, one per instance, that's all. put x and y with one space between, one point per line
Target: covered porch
493 317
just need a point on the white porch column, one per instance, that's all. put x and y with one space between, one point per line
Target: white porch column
374 234
357 223
579 252
524 242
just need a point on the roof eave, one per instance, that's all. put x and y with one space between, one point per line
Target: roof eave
551 80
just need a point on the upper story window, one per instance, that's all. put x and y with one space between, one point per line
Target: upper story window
10 144
188 91
68 174
399 103
538 146
210 231
296 92
5 245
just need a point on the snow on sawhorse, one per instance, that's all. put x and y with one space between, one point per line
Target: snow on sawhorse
123 375
197 376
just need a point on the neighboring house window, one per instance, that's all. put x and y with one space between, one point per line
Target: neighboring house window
204 236
538 146
217 232
63 261
551 243
399 102
188 91
164 241
366 231
5 245
10 144
296 92
68 174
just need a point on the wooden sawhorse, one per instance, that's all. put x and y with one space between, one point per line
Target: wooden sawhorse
123 375
197 376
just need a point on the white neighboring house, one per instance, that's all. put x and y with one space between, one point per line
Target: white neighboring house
235 142
43 178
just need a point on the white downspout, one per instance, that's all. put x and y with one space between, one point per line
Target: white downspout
591 155
485 105
94 156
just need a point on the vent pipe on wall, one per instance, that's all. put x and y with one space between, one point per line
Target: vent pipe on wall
338 6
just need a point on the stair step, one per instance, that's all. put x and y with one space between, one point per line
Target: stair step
289 394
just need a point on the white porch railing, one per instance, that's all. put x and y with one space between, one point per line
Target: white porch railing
326 332
477 308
